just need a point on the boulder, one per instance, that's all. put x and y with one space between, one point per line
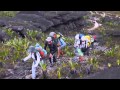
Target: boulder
3 36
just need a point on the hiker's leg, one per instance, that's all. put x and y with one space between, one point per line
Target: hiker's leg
83 50
62 50
92 45
58 52
87 51
54 59
33 71
50 60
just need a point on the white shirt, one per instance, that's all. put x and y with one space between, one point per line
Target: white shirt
31 55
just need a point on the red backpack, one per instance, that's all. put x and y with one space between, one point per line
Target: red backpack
42 54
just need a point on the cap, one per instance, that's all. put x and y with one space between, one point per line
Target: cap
51 34
49 39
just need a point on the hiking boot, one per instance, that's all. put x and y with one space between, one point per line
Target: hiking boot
51 65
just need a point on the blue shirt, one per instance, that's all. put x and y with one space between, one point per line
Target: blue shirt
62 43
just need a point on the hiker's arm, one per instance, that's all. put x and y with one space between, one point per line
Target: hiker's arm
28 57
45 45
86 45
38 59
63 43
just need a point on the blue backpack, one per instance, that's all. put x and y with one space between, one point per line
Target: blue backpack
80 35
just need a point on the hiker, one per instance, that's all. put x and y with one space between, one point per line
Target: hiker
78 37
78 46
53 49
85 43
35 55
43 53
78 52
53 35
62 44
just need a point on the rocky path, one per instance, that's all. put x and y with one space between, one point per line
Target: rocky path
110 73
23 70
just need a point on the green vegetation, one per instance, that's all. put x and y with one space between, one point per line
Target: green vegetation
59 73
8 13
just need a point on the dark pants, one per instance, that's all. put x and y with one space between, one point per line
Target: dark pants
85 51
92 45
54 59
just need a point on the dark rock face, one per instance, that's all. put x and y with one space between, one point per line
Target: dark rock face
19 30
44 20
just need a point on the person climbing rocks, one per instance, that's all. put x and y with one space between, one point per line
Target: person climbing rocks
52 48
77 50
78 46
35 55
86 41
62 44
43 53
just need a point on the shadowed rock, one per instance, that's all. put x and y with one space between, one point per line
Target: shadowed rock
3 36
19 30
2 23
112 73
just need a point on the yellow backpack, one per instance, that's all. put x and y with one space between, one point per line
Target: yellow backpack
88 37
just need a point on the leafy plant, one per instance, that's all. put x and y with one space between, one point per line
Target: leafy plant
19 47
59 73
9 32
72 65
110 52
8 13
70 54
94 62
43 66
18 44
63 64
118 62
32 33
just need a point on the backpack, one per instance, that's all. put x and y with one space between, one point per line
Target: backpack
35 56
42 53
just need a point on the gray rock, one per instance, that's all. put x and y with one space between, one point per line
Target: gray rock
2 23
28 76
3 36
1 64
17 28
11 71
